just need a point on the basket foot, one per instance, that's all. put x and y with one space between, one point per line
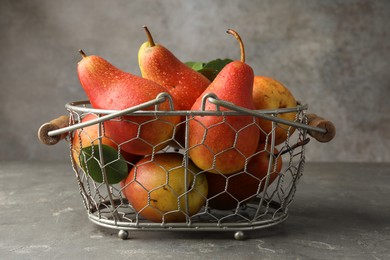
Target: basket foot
123 234
239 235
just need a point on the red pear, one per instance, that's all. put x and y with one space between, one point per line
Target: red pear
108 87
222 144
159 64
230 191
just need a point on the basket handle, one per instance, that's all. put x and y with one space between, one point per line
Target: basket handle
54 124
320 129
317 121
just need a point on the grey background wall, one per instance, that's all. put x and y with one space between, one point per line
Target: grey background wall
333 55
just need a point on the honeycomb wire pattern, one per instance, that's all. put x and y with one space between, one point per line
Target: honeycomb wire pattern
107 206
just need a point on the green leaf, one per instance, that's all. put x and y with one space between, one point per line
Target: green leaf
209 73
217 64
209 69
115 167
195 65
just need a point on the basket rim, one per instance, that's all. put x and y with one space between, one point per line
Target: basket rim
230 109
83 106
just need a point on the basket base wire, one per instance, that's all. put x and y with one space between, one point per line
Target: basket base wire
202 224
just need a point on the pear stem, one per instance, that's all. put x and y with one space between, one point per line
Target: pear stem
82 53
150 38
237 36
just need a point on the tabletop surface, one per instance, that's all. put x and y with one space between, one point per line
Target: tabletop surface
340 211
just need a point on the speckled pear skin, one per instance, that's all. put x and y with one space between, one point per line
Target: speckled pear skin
159 64
108 87
230 140
269 93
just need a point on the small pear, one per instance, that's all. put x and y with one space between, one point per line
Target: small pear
223 144
108 87
159 64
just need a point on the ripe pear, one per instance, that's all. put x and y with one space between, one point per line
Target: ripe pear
269 93
159 64
108 87
222 144
162 188
232 190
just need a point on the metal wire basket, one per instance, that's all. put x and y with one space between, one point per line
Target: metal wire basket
107 204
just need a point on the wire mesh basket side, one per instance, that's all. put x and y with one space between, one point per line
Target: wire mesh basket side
108 206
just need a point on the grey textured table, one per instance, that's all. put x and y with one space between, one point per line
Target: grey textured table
341 211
